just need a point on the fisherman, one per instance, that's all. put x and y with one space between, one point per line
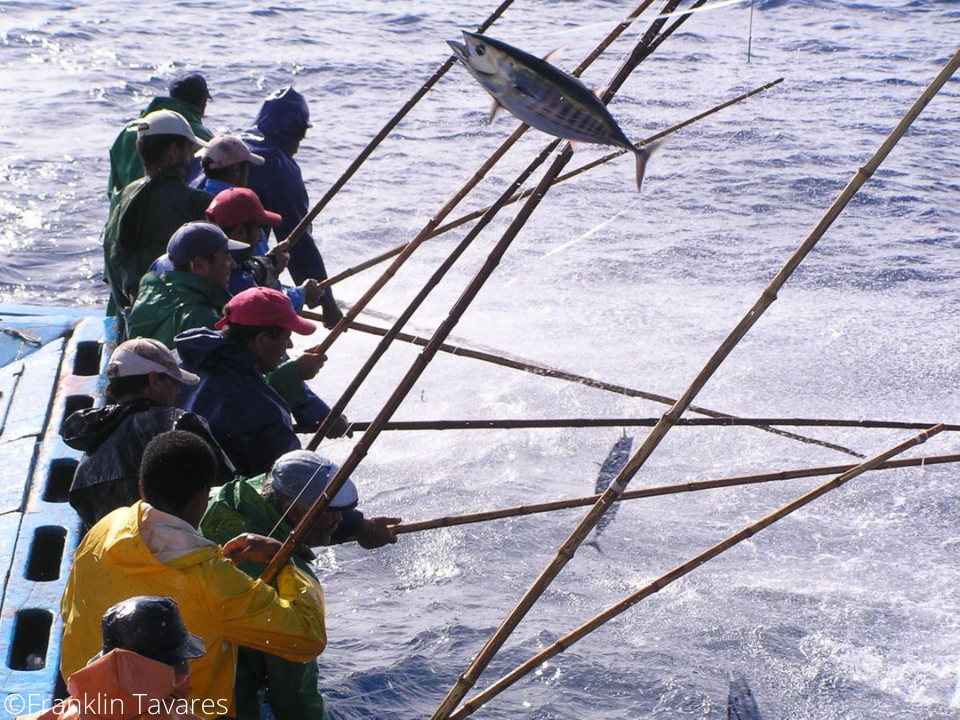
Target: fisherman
188 97
143 380
193 293
277 132
250 419
272 504
142 670
226 163
240 214
153 547
151 208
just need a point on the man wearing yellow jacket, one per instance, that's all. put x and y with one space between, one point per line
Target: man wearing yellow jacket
152 548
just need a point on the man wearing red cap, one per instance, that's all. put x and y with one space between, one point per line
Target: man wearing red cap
248 418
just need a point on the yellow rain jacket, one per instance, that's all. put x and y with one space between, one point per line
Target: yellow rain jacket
220 603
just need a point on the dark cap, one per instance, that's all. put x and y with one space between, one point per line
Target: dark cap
151 627
190 88
199 239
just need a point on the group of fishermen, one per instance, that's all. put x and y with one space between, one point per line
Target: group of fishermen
193 472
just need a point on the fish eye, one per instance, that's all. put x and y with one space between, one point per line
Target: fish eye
481 49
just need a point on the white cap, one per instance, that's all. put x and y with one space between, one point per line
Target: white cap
226 150
142 356
165 122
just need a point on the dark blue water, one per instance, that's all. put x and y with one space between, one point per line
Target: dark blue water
848 609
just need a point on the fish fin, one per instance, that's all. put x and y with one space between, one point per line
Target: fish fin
552 56
494 111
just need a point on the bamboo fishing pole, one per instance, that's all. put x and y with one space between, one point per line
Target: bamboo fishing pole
767 297
551 423
416 370
424 234
546 371
434 280
659 491
464 219
678 572
384 131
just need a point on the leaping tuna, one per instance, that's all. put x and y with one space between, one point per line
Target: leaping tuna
542 95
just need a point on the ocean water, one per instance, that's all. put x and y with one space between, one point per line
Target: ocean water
847 609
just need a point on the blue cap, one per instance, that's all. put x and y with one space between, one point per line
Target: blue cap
302 475
199 240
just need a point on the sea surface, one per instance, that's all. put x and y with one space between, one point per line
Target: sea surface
848 608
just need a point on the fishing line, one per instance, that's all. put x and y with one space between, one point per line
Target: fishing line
589 233
703 8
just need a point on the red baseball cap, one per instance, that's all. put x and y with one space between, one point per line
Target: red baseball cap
239 206
264 306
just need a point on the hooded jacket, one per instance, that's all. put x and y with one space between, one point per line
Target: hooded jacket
247 417
221 604
125 164
278 127
114 438
176 301
122 685
139 227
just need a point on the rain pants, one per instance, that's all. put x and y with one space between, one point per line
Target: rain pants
142 551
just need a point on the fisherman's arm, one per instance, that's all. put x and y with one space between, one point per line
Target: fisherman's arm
288 622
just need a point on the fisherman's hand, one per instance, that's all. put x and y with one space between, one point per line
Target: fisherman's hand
309 363
251 547
312 292
376 532
339 428
281 251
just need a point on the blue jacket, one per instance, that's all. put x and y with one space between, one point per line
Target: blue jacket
247 417
279 125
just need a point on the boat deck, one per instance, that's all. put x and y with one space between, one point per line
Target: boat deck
51 364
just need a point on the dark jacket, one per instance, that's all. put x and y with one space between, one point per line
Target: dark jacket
177 301
125 165
279 125
140 226
114 438
248 418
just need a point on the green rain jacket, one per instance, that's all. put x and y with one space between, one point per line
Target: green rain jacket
176 301
125 165
139 227
290 688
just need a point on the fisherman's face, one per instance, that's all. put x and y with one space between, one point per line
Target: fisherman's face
270 351
217 268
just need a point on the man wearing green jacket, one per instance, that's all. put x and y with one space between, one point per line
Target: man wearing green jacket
188 96
151 208
193 293
273 503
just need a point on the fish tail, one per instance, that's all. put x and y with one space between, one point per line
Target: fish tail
643 154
